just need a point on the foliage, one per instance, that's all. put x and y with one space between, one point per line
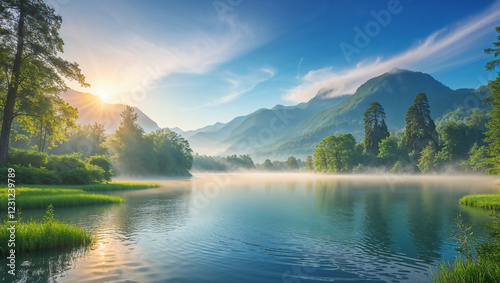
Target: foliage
292 164
478 159
27 158
104 163
267 165
48 234
335 154
428 159
160 153
493 133
31 175
309 163
478 262
208 163
87 140
28 198
34 73
420 128
375 127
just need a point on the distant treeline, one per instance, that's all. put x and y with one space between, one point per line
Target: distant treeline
244 162
421 147
86 155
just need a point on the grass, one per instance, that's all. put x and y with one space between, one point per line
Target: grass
27 198
483 201
468 271
112 186
48 234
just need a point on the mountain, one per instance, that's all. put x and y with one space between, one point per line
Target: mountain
394 90
91 109
245 134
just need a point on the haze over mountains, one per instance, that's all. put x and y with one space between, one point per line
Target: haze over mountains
91 109
295 130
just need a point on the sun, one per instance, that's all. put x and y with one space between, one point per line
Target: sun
106 91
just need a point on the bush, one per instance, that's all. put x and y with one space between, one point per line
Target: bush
104 163
27 158
26 175
63 163
82 176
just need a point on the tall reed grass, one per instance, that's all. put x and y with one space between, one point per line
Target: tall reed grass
482 201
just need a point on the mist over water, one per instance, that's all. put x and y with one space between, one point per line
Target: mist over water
249 227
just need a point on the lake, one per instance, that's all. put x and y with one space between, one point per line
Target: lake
267 228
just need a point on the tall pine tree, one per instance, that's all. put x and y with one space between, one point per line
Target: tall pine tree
375 127
420 128
493 134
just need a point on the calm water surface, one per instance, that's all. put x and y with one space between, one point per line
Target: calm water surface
267 228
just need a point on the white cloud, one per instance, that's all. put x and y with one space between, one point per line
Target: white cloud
131 65
442 49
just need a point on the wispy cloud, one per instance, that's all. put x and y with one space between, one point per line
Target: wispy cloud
443 49
241 86
129 63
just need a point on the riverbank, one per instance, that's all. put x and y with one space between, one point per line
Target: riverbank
483 201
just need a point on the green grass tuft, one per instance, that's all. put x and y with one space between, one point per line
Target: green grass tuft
48 234
27 198
483 201
468 271
112 186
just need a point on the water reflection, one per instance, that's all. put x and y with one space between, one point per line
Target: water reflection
265 228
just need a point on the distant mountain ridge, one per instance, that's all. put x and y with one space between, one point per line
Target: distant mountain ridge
91 109
394 90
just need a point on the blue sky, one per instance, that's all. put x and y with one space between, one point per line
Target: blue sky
188 64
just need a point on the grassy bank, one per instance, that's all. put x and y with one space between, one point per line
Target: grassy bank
48 234
469 271
111 186
479 261
482 201
27 198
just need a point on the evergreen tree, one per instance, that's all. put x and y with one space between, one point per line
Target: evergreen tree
493 134
428 158
420 128
375 127
128 145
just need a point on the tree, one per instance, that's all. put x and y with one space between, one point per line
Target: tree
375 127
309 163
267 165
292 164
29 49
388 150
88 140
493 133
478 159
454 140
420 128
128 145
335 154
428 158
170 154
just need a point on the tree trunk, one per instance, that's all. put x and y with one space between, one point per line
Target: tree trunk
8 114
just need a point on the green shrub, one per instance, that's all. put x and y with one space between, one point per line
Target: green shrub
27 158
63 163
26 175
103 162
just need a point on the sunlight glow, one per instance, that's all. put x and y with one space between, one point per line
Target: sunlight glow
106 91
